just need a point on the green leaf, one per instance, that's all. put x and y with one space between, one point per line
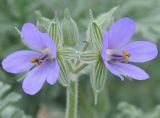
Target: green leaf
10 98
56 32
7 110
129 111
88 56
13 112
67 52
98 77
63 77
4 88
104 20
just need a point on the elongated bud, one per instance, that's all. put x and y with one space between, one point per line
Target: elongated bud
105 20
55 32
42 22
63 79
98 78
94 33
70 30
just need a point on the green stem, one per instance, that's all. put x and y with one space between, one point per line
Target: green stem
72 89
81 67
72 99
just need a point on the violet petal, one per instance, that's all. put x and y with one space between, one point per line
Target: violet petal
49 43
53 73
121 32
113 70
131 71
141 51
35 79
19 61
30 36
104 45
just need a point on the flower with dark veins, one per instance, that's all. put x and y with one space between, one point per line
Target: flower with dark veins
116 52
41 65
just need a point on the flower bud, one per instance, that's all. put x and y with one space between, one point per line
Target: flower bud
98 79
42 22
94 34
69 30
55 32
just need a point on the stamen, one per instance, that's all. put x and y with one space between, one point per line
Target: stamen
36 61
126 56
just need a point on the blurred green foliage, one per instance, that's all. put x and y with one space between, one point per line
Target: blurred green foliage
7 110
130 111
144 95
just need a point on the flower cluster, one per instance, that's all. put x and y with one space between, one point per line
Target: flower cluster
41 64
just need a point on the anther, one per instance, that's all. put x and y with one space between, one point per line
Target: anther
36 61
126 56
33 60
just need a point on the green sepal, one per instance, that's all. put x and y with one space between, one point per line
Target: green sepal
88 56
94 34
42 22
63 74
98 78
68 52
105 20
55 32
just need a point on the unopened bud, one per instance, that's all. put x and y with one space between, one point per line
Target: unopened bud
69 30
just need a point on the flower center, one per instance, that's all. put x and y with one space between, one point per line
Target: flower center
48 52
112 55
39 60
110 52
46 55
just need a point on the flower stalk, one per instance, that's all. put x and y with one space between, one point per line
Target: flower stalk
72 99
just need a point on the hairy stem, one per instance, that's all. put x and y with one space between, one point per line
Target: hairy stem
81 67
72 99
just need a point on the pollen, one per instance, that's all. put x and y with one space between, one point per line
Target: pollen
35 60
126 56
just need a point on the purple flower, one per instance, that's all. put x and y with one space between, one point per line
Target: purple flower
41 64
116 52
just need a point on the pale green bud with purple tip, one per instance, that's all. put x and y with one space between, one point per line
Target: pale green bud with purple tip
69 30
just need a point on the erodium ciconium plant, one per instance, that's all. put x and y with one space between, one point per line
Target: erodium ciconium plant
55 57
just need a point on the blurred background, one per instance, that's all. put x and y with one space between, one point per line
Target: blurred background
127 99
